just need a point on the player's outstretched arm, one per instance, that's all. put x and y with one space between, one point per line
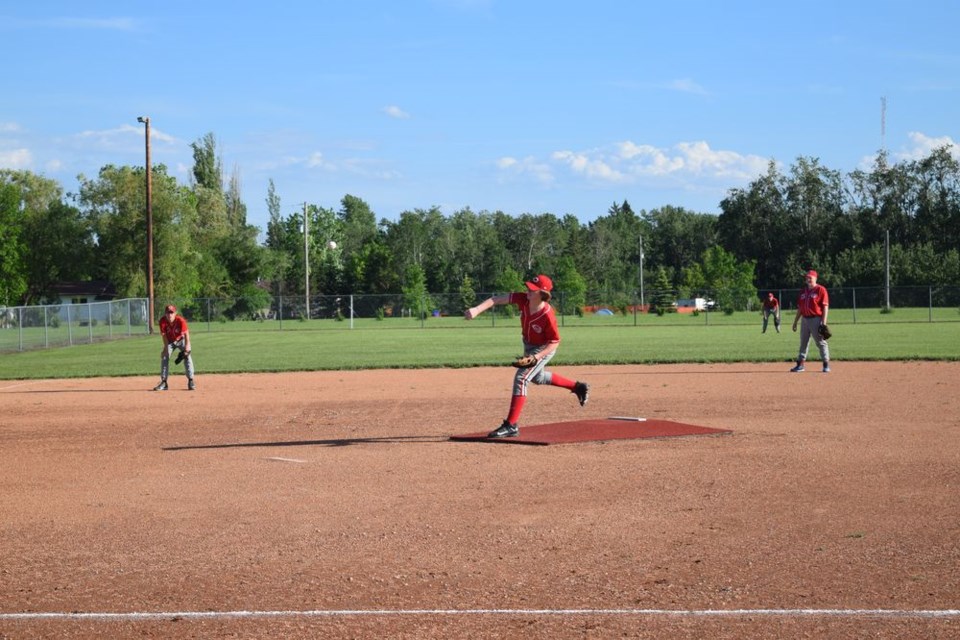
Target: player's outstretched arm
473 312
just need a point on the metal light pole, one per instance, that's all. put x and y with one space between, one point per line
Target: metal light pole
306 262
641 272
887 280
145 120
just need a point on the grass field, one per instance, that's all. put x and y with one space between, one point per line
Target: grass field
461 344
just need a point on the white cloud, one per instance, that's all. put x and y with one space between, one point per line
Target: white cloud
119 137
395 112
511 168
686 85
317 161
922 145
627 162
16 159
113 24
9 127
592 167
919 146
701 160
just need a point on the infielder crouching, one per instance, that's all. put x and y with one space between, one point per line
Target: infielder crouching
176 335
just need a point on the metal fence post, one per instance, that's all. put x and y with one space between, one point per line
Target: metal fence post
854 305
90 321
930 303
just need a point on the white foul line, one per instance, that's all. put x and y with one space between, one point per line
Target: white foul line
321 613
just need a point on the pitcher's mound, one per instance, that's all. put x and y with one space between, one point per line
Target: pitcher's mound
596 429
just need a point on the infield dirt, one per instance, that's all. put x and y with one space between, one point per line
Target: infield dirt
335 491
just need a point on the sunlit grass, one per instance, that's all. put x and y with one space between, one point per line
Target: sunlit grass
462 344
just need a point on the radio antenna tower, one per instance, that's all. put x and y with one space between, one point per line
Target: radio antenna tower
883 123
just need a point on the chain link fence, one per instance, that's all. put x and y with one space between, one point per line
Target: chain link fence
61 325
23 328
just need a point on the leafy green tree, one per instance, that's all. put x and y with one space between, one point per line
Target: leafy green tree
13 271
663 295
415 295
731 281
277 260
694 281
882 201
379 275
236 209
937 217
61 247
509 281
54 239
755 224
211 219
115 203
571 287
468 297
614 242
677 238
356 230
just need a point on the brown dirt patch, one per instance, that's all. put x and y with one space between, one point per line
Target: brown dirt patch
341 491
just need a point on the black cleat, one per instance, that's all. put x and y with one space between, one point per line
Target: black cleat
506 430
582 389
191 385
161 387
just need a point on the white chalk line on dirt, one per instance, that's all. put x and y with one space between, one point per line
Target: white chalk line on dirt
329 613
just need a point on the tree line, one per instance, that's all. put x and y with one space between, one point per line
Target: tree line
766 235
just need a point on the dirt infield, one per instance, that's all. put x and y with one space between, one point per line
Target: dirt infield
332 504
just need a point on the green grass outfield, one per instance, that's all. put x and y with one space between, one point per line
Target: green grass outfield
462 344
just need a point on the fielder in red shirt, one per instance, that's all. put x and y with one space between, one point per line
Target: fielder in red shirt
771 307
813 304
540 341
176 336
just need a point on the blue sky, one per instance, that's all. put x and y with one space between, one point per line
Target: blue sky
523 107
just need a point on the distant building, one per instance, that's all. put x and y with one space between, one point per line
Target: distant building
84 293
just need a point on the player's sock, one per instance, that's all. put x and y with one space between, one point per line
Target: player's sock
560 381
516 407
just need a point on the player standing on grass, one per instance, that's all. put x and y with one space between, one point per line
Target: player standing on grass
771 307
540 341
812 306
176 335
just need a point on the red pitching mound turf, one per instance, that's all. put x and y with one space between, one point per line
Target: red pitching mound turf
595 430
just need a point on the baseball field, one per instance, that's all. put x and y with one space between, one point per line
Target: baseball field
332 503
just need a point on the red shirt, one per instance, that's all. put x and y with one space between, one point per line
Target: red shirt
173 330
812 301
538 328
771 303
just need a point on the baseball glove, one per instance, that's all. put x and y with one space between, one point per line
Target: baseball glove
180 356
522 362
825 332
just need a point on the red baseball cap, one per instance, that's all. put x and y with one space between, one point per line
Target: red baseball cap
540 283
811 274
170 308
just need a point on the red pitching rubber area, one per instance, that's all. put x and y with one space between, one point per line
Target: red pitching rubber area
595 430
